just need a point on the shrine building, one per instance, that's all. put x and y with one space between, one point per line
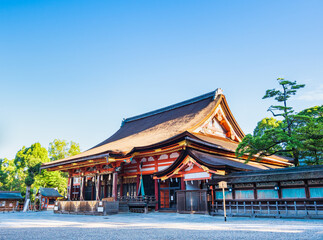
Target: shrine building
168 159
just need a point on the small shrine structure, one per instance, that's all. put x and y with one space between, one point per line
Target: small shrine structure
47 198
9 200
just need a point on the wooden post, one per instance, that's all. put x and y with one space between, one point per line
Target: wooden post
295 207
305 208
307 190
244 207
230 209
224 185
212 198
115 186
225 213
121 187
156 194
105 187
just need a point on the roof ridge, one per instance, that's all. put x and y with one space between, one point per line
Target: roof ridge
174 106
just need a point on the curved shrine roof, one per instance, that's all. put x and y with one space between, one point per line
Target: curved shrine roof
154 127
162 125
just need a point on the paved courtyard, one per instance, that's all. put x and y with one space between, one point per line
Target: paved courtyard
47 225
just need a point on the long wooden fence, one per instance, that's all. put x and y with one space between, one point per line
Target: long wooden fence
301 209
86 207
134 204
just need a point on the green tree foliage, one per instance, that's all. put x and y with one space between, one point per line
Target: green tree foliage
13 180
29 160
59 149
3 174
310 133
23 173
272 136
50 179
268 139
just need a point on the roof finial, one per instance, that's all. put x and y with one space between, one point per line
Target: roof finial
123 122
218 91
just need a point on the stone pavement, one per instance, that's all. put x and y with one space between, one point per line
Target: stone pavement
47 225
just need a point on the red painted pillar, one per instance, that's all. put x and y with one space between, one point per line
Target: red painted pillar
121 187
183 184
115 186
156 194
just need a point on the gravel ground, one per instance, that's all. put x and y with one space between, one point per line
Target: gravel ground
47 225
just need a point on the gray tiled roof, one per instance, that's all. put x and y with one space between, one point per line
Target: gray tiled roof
49 192
10 195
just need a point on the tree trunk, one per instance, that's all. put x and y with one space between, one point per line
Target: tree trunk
296 157
27 197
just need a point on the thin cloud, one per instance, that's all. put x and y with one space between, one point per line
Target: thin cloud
314 95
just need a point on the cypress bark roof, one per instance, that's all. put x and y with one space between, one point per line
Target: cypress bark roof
153 127
163 125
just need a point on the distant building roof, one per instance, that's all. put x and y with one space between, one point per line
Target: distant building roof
10 195
282 174
49 192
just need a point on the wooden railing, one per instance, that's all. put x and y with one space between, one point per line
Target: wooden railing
140 204
8 209
150 200
269 208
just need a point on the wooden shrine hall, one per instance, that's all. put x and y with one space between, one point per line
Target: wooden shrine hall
155 156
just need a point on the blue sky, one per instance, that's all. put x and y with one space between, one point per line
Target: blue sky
73 69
